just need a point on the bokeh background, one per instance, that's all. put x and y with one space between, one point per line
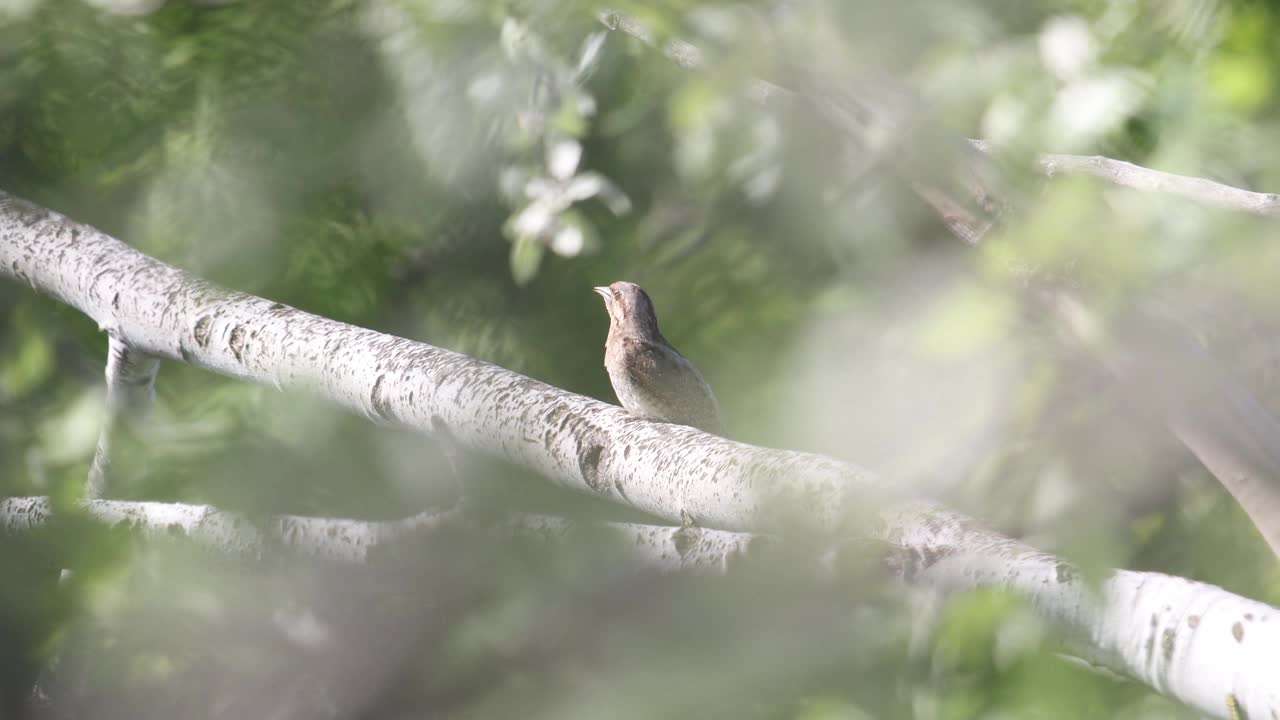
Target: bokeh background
462 173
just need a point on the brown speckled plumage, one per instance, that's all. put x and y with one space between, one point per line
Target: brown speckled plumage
651 378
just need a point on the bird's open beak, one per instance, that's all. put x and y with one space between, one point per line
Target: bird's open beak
604 292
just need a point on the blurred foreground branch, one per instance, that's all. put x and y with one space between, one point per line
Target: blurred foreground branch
360 541
1174 635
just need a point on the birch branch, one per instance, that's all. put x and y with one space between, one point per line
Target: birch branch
595 448
131 391
666 548
228 533
1191 641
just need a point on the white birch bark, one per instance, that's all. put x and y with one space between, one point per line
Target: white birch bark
670 471
1191 641
662 547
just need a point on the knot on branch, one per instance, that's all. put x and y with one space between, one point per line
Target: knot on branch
590 454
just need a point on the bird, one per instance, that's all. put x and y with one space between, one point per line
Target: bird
649 376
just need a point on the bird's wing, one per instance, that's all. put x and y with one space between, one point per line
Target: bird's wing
674 384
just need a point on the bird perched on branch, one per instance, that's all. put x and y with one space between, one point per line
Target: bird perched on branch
649 377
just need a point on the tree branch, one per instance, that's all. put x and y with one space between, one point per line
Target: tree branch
1148 626
666 548
1127 174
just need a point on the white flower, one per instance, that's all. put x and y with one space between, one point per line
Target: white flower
1067 46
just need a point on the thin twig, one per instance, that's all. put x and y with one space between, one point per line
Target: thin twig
1127 174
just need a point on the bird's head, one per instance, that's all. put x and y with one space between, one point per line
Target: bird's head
629 307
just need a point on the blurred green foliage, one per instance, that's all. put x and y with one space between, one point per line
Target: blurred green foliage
463 174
